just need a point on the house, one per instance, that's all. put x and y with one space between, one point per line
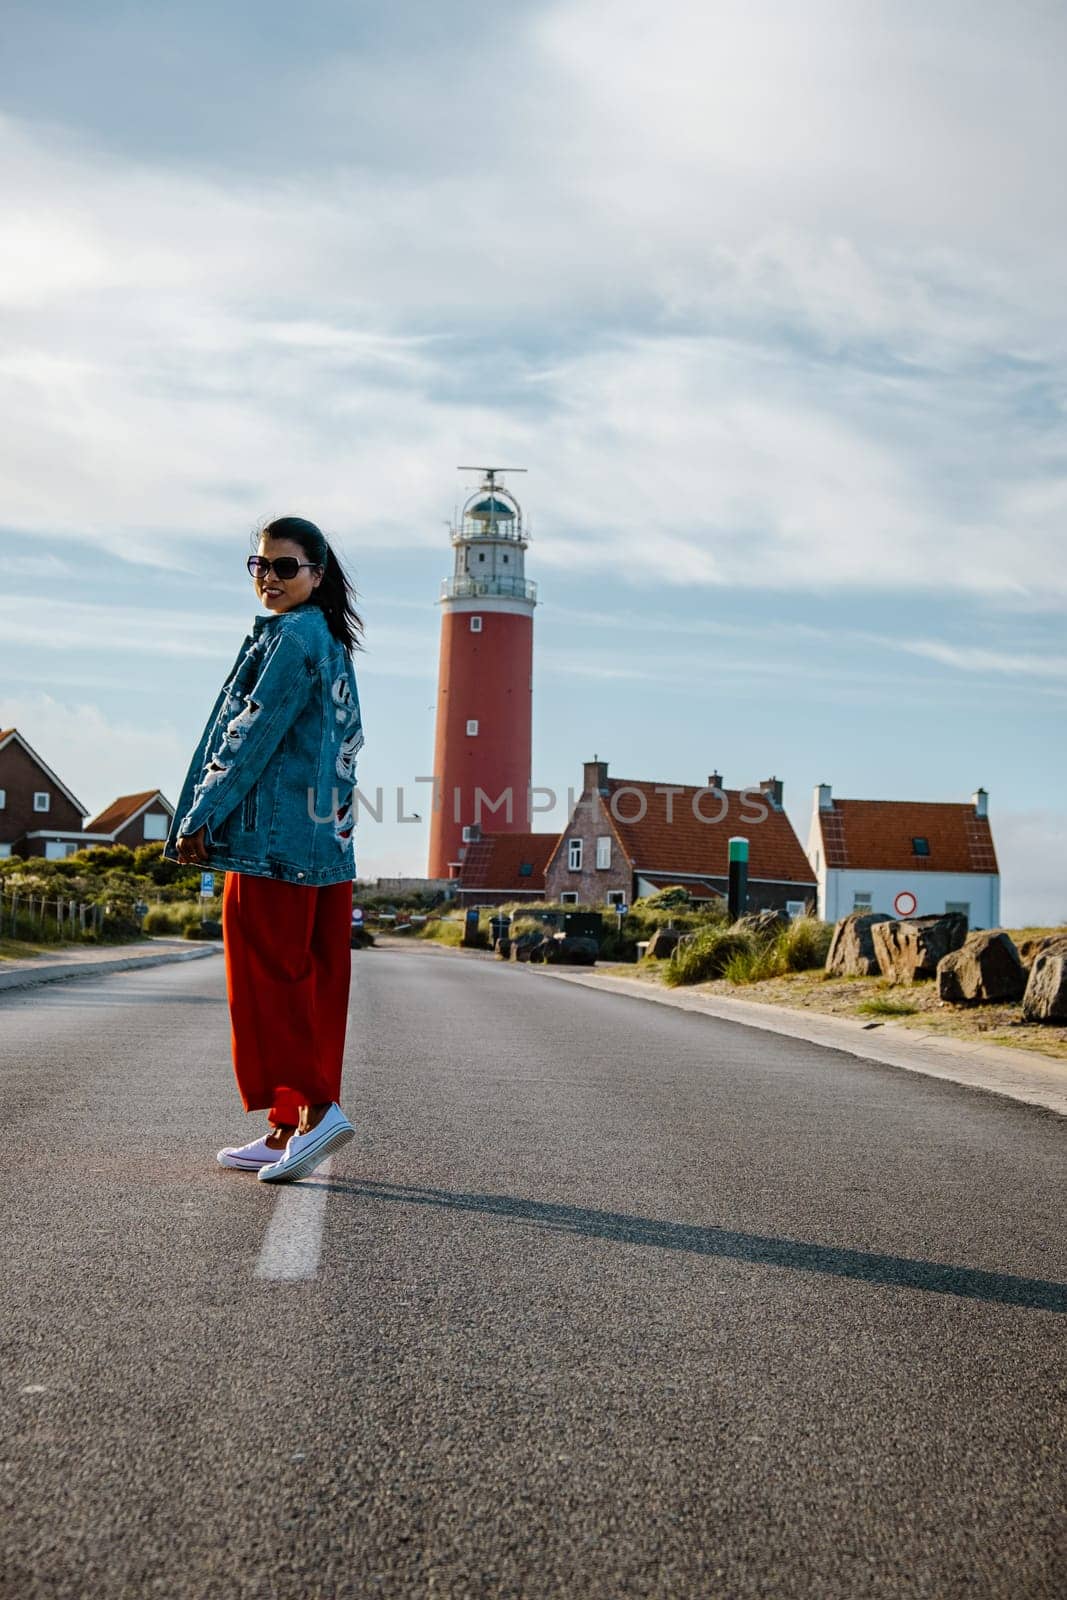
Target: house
135 819
39 816
629 837
904 857
498 867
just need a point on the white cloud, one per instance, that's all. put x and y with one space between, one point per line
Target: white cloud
98 759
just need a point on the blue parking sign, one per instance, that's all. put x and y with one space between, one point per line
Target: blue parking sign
207 884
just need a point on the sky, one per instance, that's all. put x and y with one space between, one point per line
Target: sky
766 297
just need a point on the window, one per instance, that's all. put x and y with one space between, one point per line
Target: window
794 908
5 850
569 897
525 869
616 897
155 825
468 834
481 555
962 906
476 624
574 855
603 850
54 850
505 555
472 726
42 800
861 900
920 847
3 798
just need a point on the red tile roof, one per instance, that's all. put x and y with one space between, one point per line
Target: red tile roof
493 861
878 834
686 844
120 811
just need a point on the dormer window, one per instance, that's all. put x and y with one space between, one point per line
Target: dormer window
920 847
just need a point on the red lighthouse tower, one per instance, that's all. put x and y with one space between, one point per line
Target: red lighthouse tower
485 682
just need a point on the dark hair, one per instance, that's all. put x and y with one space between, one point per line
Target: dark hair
335 594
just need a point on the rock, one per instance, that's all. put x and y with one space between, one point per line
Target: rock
761 924
910 950
851 953
1045 999
567 950
1030 949
985 967
664 942
524 943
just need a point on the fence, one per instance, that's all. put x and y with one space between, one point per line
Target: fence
59 918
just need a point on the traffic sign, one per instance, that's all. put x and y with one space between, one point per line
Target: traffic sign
207 884
357 914
905 903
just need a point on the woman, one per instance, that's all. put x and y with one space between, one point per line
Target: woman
268 799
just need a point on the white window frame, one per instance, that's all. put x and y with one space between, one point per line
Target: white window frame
569 897
862 900
603 851
38 796
476 624
616 897
55 850
5 851
794 908
472 727
3 799
159 822
574 855
468 832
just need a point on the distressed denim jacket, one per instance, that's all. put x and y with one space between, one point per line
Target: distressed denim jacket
273 775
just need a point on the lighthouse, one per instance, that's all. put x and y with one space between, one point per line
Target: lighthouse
485 678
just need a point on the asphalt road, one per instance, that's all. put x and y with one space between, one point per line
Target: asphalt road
605 1300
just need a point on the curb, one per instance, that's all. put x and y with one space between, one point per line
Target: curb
59 971
1021 1075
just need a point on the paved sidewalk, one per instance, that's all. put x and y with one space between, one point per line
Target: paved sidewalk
95 961
1019 1074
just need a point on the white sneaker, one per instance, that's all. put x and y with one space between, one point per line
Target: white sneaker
249 1157
305 1150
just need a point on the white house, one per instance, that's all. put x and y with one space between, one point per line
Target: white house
904 857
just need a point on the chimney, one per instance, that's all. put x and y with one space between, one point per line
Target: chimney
715 780
980 801
823 798
595 777
772 788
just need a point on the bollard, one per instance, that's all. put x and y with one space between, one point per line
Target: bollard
738 884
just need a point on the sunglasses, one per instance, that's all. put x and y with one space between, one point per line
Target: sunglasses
284 567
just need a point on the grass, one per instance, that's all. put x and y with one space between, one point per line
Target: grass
881 1007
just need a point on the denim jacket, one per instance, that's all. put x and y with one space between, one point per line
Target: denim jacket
273 775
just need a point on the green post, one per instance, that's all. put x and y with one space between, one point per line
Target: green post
738 890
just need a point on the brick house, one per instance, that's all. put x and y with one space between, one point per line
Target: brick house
498 867
904 857
629 837
135 819
39 816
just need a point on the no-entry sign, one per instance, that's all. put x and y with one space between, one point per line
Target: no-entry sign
905 903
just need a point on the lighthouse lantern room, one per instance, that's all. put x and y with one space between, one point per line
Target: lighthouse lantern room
482 744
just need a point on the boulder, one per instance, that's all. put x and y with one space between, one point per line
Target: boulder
910 950
664 942
1045 999
851 953
573 950
985 967
1037 944
762 924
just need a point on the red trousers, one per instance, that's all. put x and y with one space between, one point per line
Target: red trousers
288 964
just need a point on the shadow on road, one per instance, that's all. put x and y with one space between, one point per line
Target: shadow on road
933 1277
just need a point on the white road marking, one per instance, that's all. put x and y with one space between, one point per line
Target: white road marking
292 1243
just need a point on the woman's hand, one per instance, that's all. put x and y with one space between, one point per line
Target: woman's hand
192 851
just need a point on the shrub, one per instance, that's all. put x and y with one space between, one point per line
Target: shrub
442 930
706 954
887 1008
805 943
